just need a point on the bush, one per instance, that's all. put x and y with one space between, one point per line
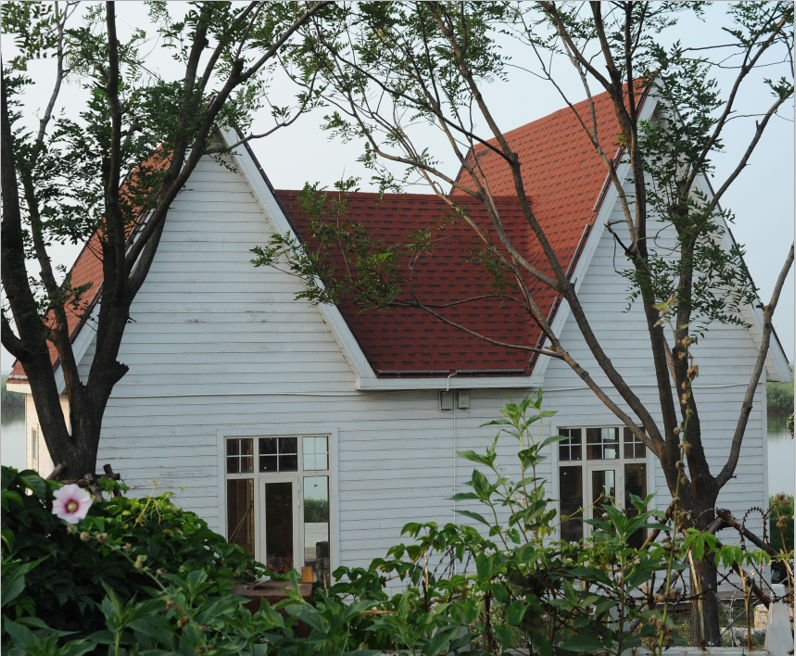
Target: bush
779 397
782 511
67 572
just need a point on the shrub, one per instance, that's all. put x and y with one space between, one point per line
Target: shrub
781 526
68 572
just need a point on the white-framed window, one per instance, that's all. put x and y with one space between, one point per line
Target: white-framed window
278 500
599 465
34 446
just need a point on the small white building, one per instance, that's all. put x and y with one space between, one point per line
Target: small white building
307 432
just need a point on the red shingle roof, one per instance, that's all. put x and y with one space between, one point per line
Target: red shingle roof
564 180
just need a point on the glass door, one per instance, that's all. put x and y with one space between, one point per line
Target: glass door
279 524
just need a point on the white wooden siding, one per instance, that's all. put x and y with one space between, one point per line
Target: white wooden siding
725 356
217 346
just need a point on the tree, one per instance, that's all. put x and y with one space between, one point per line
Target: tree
111 175
388 67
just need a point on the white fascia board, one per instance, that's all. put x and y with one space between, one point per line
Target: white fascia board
366 378
453 383
777 366
593 240
19 388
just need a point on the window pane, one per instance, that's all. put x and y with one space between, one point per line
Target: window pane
279 526
240 513
635 483
239 455
268 463
602 443
603 489
634 447
288 445
316 455
571 449
316 526
267 445
571 486
278 454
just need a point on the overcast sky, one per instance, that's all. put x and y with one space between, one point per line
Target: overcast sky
762 197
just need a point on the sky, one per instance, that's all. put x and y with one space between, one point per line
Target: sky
762 197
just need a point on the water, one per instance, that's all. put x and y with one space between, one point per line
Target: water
12 437
780 456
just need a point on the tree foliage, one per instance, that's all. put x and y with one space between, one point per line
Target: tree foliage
109 173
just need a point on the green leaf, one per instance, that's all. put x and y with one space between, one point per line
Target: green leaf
504 636
551 440
473 515
515 612
440 641
586 643
463 496
36 484
483 564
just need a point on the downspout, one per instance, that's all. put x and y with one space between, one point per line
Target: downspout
447 389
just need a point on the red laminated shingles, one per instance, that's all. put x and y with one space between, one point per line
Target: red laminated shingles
410 339
563 178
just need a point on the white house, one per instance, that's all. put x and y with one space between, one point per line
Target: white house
307 432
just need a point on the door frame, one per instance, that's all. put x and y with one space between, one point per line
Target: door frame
276 430
601 465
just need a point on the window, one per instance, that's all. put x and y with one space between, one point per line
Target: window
610 472
278 501
34 445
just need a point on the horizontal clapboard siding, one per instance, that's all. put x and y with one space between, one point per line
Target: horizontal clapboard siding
218 346
725 355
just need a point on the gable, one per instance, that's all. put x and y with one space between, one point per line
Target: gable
571 198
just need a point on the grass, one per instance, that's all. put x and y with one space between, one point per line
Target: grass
11 400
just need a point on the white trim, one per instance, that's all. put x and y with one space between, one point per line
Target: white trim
465 382
19 388
764 423
276 430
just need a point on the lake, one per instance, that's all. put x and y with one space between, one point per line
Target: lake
780 456
12 438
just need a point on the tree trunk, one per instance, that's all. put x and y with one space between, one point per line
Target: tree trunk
704 628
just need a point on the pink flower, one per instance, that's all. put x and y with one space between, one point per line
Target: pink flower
71 503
